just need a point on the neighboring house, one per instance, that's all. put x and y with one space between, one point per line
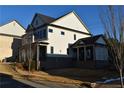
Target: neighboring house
91 52
47 40
10 40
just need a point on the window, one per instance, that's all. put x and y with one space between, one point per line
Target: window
51 30
44 33
36 35
40 35
74 36
62 33
52 49
36 22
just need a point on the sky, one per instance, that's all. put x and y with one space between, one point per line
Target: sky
25 13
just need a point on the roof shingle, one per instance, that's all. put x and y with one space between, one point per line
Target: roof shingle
87 40
46 19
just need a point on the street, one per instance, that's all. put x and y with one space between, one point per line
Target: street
7 81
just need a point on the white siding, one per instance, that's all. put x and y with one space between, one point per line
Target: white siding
6 42
101 53
12 28
71 21
60 42
5 46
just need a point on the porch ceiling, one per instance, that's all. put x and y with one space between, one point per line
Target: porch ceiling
44 43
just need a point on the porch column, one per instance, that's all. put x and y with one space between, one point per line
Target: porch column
19 56
38 62
85 54
77 53
94 54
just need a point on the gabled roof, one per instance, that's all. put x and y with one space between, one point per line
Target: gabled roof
11 22
45 18
10 29
49 20
76 16
88 40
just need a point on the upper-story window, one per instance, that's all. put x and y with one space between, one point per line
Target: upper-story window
51 30
62 33
44 33
74 36
37 35
36 22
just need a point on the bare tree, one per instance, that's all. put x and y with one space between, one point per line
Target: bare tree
112 18
28 52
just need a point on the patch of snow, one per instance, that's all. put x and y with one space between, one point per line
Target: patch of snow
109 80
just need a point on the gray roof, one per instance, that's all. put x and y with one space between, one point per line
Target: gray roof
90 40
46 19
87 40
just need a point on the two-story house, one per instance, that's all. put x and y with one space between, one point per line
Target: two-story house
47 39
10 40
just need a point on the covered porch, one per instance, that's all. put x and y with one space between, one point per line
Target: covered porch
85 53
39 54
35 52
90 52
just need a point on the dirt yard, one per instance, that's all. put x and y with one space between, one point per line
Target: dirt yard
75 76
6 68
69 76
78 74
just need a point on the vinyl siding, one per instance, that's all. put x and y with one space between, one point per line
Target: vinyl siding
70 21
60 42
101 53
12 28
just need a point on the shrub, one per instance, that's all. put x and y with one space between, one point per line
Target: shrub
25 65
19 65
32 65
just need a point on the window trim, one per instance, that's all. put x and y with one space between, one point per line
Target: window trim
75 37
44 33
51 30
62 33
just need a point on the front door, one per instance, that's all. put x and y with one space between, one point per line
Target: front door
42 53
81 54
